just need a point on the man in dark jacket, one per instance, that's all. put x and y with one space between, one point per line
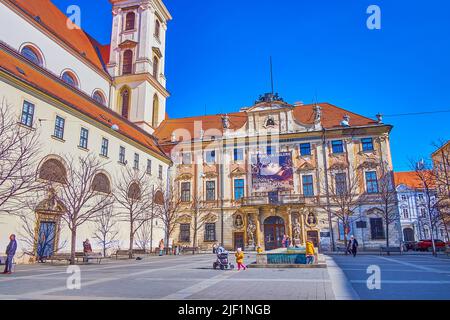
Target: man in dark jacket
10 252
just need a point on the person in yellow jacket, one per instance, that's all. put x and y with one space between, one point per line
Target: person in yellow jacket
310 252
240 259
259 250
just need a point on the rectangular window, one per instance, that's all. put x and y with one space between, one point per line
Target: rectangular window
210 156
160 172
376 228
136 161
341 183
308 187
185 232
337 146
186 158
371 182
238 154
122 155
84 136
27 114
185 191
269 150
367 144
403 197
59 127
149 167
210 232
405 213
105 147
305 149
210 190
238 189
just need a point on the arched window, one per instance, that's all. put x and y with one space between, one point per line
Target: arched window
157 29
32 55
125 102
130 21
134 191
127 62
155 67
53 170
158 198
70 79
155 111
101 183
99 97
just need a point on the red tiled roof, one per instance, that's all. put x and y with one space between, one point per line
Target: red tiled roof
20 68
55 21
409 179
331 118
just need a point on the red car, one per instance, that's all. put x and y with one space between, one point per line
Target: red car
425 245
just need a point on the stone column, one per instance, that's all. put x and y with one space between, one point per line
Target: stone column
289 223
302 219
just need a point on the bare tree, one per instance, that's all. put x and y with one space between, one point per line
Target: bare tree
143 236
386 199
134 193
168 210
77 192
426 177
344 197
106 231
441 172
19 148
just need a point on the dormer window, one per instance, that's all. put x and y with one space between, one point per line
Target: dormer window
70 79
130 21
32 55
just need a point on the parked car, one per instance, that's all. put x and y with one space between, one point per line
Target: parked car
410 245
426 245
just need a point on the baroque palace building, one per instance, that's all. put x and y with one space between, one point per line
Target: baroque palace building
248 178
244 179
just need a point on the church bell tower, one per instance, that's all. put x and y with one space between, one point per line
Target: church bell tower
137 61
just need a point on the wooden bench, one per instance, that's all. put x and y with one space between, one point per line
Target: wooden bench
59 257
90 256
126 253
390 249
189 249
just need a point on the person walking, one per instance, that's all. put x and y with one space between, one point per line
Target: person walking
353 246
87 250
283 241
10 252
214 248
310 252
240 259
161 247
288 242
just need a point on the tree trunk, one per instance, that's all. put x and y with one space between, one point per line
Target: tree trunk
387 237
130 251
73 245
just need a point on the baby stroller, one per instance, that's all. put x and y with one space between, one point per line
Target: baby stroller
222 260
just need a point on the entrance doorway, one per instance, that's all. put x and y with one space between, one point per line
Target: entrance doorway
273 233
408 234
314 236
238 240
47 238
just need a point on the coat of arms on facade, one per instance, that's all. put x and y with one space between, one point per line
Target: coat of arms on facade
269 122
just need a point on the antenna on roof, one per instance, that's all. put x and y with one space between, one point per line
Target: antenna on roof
271 75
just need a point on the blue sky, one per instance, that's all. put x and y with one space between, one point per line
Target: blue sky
218 53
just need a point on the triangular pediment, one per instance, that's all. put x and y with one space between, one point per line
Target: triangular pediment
157 52
306 166
128 44
238 172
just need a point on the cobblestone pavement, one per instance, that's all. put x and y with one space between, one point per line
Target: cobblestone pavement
402 277
169 277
